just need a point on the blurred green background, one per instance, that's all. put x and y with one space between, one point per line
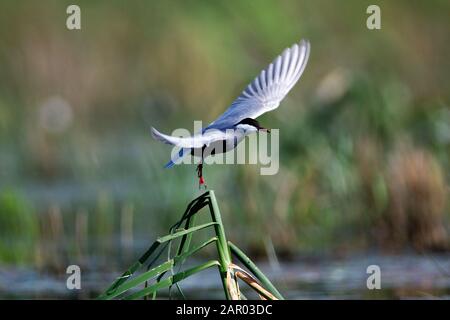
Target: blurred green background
364 139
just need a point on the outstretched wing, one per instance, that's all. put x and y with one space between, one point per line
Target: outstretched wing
269 88
195 141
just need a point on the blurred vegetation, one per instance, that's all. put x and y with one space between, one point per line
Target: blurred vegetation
365 135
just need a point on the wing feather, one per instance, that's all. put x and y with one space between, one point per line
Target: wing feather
293 63
267 90
286 60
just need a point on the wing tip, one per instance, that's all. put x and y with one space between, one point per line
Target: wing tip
158 136
305 43
155 133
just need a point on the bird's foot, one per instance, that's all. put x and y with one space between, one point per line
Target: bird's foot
201 180
202 183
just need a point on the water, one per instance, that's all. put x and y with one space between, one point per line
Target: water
402 276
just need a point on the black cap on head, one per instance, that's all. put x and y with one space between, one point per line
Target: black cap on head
251 122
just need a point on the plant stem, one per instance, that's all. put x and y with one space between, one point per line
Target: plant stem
249 264
222 246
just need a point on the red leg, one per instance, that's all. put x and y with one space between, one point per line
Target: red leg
201 181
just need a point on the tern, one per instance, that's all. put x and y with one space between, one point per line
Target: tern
263 94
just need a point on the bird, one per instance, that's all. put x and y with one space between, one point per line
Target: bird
263 94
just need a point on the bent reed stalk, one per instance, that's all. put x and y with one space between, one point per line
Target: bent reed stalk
157 277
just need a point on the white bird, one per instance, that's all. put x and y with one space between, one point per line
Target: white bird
263 94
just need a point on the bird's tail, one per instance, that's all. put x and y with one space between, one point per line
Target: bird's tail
172 141
162 137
